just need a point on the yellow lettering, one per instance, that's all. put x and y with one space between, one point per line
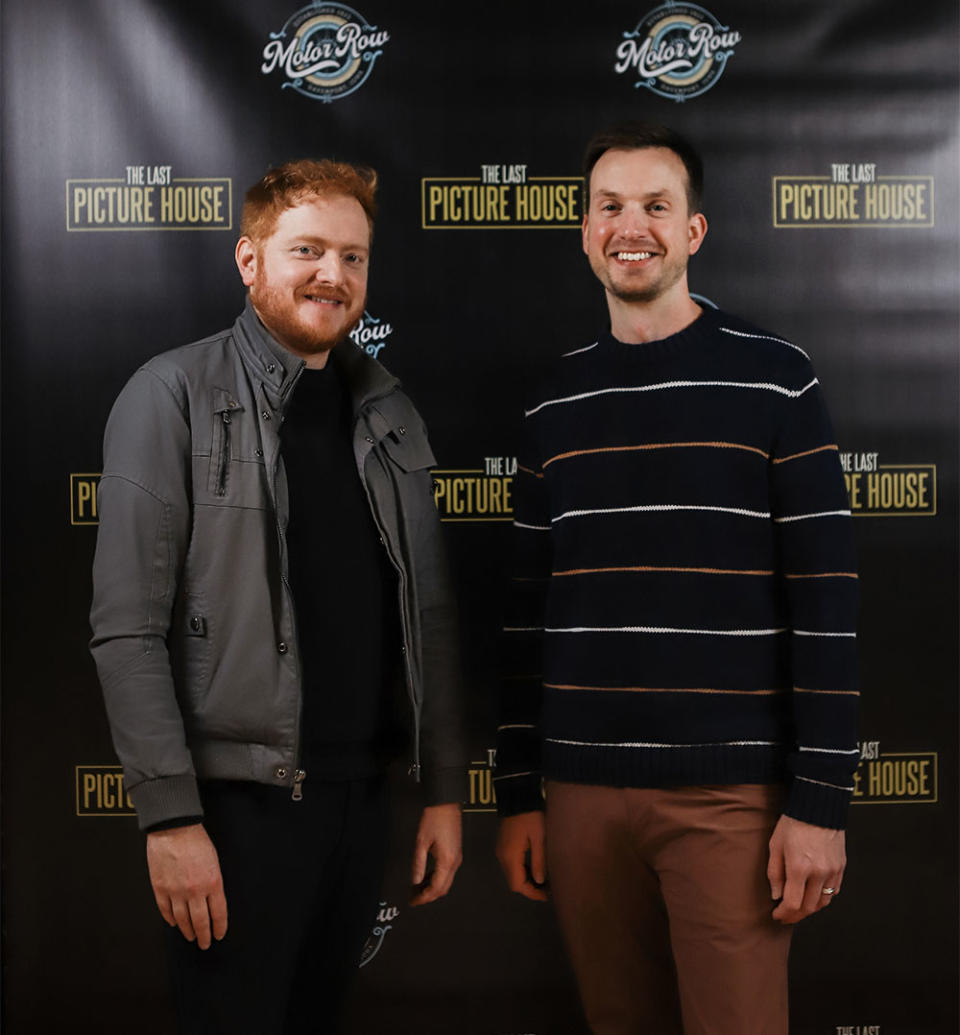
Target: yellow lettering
923 479
89 787
924 777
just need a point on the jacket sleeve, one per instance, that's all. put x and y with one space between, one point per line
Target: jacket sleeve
518 776
144 508
443 750
811 515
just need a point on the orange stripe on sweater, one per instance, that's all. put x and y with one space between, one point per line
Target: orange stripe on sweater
841 693
656 445
807 452
826 575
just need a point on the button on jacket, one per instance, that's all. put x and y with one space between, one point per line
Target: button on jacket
193 622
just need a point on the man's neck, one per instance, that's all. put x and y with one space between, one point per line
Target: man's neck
637 322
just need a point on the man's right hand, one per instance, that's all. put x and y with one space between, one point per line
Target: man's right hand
185 874
518 835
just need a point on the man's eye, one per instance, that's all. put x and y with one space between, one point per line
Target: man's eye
303 249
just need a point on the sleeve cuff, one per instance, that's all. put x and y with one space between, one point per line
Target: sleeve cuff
167 798
444 786
820 804
521 793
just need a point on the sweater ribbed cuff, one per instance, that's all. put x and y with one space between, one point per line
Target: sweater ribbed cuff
817 803
516 794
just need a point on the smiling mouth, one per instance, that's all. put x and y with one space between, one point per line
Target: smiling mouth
634 256
323 300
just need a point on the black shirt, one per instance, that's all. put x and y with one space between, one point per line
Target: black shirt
344 588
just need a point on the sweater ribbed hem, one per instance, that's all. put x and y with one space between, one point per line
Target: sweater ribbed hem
662 767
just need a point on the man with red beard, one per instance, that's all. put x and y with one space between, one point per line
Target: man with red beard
261 489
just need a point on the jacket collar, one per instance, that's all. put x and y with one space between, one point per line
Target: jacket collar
279 369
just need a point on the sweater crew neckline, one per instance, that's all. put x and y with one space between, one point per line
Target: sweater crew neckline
699 332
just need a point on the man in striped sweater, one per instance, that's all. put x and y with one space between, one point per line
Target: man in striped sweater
680 645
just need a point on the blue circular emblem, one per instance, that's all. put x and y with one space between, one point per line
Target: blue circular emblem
678 50
326 51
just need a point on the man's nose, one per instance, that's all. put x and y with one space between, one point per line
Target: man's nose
634 221
329 269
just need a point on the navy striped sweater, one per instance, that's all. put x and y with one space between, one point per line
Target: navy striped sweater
684 593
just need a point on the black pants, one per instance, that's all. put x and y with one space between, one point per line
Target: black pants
302 881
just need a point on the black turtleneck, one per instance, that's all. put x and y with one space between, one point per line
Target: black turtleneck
344 588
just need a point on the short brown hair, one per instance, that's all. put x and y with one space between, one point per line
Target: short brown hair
289 184
635 136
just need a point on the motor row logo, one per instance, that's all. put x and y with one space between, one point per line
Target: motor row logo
677 51
504 196
150 197
326 51
385 915
852 194
371 334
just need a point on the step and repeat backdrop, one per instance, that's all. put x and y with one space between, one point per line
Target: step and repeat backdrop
131 131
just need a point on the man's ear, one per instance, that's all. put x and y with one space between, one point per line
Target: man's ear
246 257
583 234
697 230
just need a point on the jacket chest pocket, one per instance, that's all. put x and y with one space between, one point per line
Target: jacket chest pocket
225 410
408 450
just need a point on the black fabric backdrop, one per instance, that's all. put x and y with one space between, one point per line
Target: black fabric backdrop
817 101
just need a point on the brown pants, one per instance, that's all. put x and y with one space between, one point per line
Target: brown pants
664 904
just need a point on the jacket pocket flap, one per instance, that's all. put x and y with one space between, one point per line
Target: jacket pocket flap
224 402
410 451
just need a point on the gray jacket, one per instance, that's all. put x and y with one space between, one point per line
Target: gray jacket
193 622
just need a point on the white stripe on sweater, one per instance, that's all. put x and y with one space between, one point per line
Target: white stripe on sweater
831 751
644 744
576 352
790 392
818 514
763 337
533 528
662 507
807 632
823 783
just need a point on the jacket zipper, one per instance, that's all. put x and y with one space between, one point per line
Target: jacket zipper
299 775
224 455
414 768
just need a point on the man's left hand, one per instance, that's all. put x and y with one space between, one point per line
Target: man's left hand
805 869
439 835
